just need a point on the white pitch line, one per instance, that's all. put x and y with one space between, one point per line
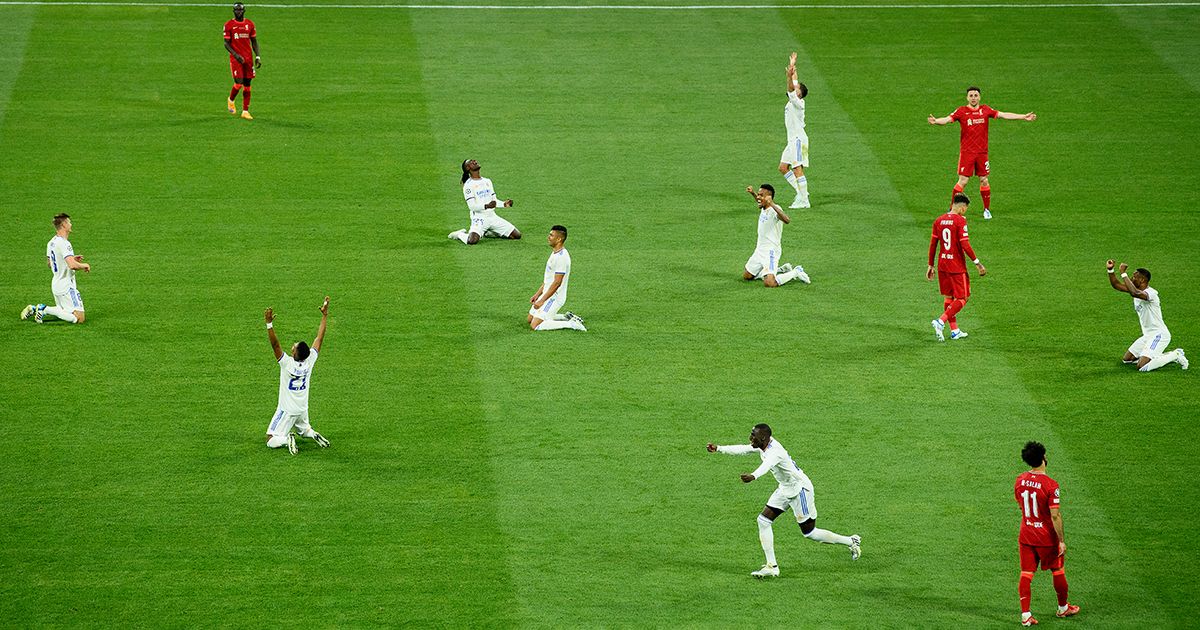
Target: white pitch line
618 7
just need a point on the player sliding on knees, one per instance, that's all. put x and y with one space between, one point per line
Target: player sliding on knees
795 154
482 201
1148 352
952 248
552 295
295 375
764 262
795 491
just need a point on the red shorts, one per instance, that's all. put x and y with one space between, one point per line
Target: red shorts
973 164
955 285
241 70
1048 557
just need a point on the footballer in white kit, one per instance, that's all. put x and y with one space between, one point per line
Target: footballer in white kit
794 159
482 201
795 491
63 263
295 378
552 294
764 263
1149 351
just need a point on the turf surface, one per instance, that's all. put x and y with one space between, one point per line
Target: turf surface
483 474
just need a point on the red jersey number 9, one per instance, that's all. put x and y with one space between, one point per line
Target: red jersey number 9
946 239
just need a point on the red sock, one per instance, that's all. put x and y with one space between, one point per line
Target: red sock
1060 586
246 98
953 323
986 193
953 308
233 93
1023 589
945 307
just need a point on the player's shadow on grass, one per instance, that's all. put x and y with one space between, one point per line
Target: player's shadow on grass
917 598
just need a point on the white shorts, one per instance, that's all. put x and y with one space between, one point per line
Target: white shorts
1150 345
795 153
548 310
803 504
763 262
71 300
282 423
491 225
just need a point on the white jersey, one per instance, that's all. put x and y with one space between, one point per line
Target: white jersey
776 460
1149 313
770 230
559 263
793 116
57 251
479 192
294 380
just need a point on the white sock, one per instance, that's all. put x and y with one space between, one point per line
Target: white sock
556 324
791 180
828 537
784 278
766 536
1062 609
462 236
276 441
1025 616
802 187
1160 360
61 313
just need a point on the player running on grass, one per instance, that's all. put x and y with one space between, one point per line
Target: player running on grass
241 40
63 263
952 248
1041 538
795 154
552 295
1148 350
295 374
482 201
764 262
795 491
973 143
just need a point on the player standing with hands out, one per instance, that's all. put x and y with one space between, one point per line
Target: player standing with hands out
1148 350
1041 538
973 143
795 491
950 245
295 374
241 40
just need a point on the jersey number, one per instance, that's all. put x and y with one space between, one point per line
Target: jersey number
946 239
298 383
1030 499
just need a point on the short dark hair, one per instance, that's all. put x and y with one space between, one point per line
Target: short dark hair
60 218
1144 272
961 198
803 89
770 188
763 429
974 89
560 229
301 351
1033 454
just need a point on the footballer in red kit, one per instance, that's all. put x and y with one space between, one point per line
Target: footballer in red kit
973 119
241 40
951 248
1041 538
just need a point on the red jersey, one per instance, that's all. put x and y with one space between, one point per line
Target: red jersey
238 35
950 244
973 124
1036 493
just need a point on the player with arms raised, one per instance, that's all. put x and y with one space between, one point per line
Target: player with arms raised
241 40
950 245
1041 538
482 202
973 142
794 159
1148 351
295 374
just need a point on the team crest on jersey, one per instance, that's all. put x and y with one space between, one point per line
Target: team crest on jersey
1056 493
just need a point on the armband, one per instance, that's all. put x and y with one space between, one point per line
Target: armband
1111 270
270 325
1125 275
976 261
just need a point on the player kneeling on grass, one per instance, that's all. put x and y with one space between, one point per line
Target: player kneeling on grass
552 295
794 491
482 202
63 262
295 372
764 262
1148 350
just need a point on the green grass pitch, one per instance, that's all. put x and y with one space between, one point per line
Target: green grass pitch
481 474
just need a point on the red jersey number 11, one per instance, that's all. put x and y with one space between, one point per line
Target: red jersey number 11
1031 504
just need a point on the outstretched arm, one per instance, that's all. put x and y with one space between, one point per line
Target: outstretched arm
1011 116
269 315
934 120
321 329
735 449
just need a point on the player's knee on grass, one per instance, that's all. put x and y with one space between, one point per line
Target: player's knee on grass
515 235
1142 362
472 238
275 441
534 323
746 275
79 317
769 281
807 527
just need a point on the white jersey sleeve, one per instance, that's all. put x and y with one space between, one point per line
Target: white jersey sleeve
57 251
736 449
769 461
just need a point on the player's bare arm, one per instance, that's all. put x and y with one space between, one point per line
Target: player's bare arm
934 120
1112 277
534 299
1011 116
791 74
558 278
257 57
1130 287
229 47
1056 518
781 214
269 315
76 262
316 346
